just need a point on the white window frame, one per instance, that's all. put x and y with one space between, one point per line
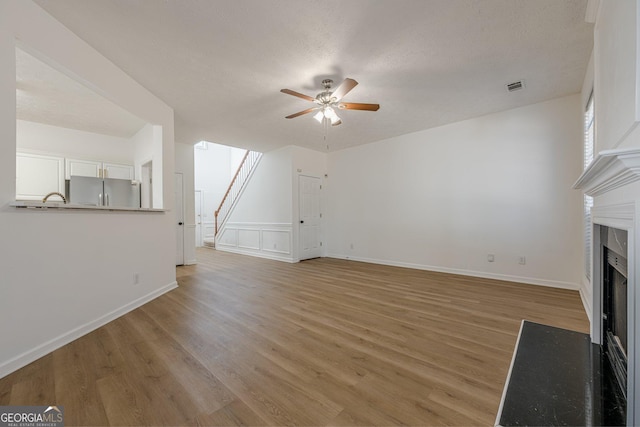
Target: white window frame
588 151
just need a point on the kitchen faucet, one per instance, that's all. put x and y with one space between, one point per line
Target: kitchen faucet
54 193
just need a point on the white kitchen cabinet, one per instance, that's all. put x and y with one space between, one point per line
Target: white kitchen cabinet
82 168
38 175
97 169
114 170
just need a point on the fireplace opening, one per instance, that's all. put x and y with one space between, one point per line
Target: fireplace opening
614 304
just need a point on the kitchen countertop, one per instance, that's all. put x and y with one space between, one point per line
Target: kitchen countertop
35 204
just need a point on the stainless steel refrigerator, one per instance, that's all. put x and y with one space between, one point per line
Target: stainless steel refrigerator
112 192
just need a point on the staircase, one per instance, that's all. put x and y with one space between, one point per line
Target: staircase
247 165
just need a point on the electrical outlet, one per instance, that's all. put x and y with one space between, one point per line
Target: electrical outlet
522 260
136 278
491 258
351 246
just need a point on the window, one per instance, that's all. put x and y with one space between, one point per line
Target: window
589 139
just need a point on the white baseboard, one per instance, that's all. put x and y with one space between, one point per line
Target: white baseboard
261 254
191 261
45 348
472 273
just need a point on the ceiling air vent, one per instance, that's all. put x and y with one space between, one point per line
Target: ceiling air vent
512 87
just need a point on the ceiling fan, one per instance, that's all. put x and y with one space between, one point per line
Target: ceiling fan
327 101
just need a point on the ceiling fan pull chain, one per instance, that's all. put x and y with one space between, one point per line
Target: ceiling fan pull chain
325 124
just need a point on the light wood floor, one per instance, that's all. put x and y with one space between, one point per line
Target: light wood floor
247 341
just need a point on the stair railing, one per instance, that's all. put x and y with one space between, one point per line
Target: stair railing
241 177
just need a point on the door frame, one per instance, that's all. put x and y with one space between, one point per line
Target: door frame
179 259
198 199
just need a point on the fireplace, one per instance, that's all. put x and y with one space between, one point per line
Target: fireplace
614 306
613 179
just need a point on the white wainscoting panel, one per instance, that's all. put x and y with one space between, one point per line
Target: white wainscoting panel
278 241
265 240
228 238
249 238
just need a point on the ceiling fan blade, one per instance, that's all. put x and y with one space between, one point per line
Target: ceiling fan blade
343 89
298 94
300 113
358 106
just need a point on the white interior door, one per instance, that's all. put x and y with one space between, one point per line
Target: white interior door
309 206
198 203
179 201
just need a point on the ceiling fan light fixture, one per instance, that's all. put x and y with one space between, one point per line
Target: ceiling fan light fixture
328 100
330 114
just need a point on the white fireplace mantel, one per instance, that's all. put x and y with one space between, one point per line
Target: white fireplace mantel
609 170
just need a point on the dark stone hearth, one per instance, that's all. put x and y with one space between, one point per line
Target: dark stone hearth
560 378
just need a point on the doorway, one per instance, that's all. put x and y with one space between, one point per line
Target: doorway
309 205
146 181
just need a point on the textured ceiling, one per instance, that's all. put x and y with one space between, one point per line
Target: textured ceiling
220 64
45 95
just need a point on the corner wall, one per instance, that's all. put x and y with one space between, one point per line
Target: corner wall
443 199
65 273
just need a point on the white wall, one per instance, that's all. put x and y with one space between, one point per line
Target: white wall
46 139
267 197
148 147
443 199
65 273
